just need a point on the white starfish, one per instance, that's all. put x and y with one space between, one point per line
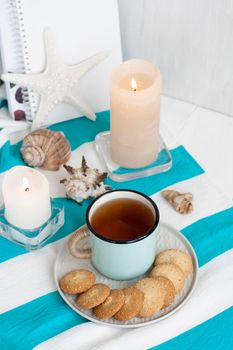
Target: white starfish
58 82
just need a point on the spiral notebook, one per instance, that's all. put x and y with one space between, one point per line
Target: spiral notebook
80 29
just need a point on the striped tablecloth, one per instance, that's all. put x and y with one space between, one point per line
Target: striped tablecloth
33 315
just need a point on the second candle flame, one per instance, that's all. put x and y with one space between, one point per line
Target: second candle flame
25 184
133 84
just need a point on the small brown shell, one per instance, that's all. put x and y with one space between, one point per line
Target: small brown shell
46 149
181 202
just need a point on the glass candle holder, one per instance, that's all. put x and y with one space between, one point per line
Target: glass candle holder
162 162
33 239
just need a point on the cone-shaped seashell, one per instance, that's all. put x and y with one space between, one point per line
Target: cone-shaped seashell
181 202
46 149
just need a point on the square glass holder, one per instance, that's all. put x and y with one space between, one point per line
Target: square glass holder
34 238
162 163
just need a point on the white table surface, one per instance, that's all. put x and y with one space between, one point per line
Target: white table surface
206 134
197 129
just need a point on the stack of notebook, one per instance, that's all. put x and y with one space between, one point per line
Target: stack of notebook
2 90
80 29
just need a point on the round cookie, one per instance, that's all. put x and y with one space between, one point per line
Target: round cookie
178 257
77 281
132 305
154 295
111 305
169 290
171 272
94 296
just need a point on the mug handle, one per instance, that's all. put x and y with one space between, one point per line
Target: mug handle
74 241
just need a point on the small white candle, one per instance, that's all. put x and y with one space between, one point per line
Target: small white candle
135 112
26 197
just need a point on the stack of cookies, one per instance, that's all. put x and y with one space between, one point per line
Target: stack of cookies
142 299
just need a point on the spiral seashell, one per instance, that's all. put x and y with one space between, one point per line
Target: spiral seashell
46 149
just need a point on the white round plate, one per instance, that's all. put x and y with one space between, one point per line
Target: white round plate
167 237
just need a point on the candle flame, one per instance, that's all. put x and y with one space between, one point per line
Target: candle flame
133 84
25 184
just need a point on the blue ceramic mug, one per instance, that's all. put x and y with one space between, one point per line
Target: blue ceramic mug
123 259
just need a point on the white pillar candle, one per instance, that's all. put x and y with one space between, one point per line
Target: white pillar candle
135 90
26 197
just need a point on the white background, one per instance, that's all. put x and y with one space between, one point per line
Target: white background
192 43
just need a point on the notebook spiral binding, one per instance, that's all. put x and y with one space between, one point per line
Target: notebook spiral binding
22 55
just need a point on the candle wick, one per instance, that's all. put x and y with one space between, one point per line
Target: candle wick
134 89
26 189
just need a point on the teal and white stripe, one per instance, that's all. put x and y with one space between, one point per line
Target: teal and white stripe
205 304
32 312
